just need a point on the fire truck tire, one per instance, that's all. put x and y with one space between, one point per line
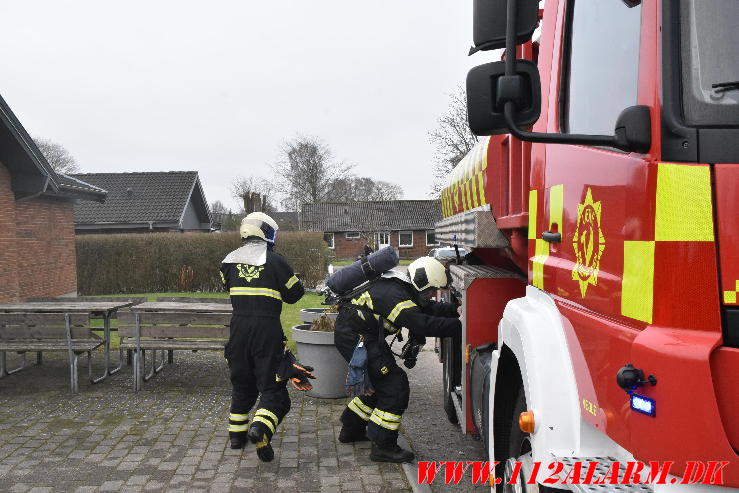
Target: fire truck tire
452 369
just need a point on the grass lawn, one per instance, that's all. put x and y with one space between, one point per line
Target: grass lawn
290 313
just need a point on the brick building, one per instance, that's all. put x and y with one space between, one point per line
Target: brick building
407 225
37 248
160 201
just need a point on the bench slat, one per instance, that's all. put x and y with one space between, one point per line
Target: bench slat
46 319
176 345
174 318
20 332
218 332
34 345
181 299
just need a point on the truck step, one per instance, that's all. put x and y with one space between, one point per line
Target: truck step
601 470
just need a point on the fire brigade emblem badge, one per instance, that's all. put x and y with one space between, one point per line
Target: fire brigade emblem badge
588 243
249 272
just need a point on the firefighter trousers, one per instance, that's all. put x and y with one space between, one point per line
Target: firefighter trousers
254 350
382 411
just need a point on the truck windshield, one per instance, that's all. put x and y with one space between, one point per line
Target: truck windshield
710 62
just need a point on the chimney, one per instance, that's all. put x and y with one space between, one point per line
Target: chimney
253 202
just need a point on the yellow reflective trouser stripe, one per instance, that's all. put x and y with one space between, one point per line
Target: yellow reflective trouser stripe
268 413
379 421
265 421
291 282
238 428
399 308
387 416
238 417
242 291
358 410
364 407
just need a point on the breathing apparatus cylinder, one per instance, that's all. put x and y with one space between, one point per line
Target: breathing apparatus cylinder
363 270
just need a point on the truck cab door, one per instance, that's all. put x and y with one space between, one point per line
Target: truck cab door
589 207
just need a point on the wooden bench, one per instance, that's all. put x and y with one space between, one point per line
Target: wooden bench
143 331
25 332
183 299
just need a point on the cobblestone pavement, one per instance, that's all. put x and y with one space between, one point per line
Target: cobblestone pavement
171 436
426 426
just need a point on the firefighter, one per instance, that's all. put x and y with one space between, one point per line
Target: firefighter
259 281
393 301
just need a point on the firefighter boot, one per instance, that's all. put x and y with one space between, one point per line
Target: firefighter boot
348 435
390 452
238 439
260 436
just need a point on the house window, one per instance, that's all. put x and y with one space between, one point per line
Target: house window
431 238
329 239
405 239
351 235
382 239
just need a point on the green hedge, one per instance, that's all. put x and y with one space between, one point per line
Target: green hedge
168 262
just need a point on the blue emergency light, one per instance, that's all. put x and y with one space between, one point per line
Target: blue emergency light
643 405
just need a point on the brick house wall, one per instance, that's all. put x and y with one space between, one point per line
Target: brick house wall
349 248
8 245
37 247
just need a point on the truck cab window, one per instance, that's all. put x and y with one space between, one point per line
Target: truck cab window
710 67
600 65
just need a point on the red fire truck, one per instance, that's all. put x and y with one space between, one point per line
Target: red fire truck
601 297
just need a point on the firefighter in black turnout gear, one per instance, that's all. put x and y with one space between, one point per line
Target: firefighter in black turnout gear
393 301
259 281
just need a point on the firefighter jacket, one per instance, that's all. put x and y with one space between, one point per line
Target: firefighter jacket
392 304
259 290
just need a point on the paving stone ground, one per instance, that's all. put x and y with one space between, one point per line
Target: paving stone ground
171 436
427 428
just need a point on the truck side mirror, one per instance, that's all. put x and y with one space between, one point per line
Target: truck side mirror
634 129
489 23
488 89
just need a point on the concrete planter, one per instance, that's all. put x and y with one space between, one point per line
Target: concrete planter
317 349
308 315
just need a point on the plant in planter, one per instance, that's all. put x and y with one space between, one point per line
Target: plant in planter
315 345
308 315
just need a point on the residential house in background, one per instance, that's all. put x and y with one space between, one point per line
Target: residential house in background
37 247
168 201
407 225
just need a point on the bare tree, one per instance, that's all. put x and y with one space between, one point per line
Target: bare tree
306 171
57 156
355 188
452 139
251 189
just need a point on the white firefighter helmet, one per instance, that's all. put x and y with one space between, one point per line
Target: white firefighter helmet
427 272
265 223
249 230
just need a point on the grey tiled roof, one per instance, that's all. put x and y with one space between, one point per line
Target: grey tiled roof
390 215
137 197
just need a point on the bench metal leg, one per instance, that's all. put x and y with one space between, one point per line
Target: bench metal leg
4 364
112 371
39 358
136 372
73 373
170 356
147 375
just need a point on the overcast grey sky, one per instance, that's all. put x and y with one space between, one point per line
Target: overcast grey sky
217 86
